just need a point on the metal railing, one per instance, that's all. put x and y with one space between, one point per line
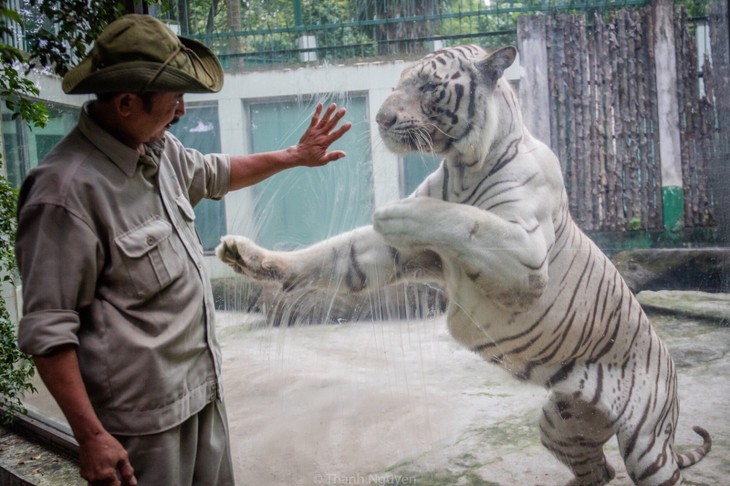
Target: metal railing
360 30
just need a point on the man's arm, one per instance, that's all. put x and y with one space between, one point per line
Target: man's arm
102 456
311 151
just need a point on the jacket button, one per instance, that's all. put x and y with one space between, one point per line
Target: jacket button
150 241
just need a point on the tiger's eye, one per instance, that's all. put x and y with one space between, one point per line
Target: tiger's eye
429 87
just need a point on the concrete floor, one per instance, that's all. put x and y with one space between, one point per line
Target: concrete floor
402 403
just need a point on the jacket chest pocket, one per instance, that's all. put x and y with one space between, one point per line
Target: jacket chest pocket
185 208
189 217
150 257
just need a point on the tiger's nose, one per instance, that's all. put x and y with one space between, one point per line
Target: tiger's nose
386 118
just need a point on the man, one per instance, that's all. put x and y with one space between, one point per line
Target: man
118 311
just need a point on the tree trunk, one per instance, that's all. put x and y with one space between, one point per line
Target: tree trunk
233 11
404 37
210 24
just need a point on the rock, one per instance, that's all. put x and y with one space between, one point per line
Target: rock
702 305
674 269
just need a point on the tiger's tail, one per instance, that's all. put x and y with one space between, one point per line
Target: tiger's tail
686 459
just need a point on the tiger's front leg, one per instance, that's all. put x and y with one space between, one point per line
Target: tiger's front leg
247 258
325 264
502 258
355 261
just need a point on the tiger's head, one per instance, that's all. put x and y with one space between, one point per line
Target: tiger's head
443 99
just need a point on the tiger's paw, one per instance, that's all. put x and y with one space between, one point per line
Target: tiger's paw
405 223
247 258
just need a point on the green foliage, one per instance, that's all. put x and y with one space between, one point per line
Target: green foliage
16 369
332 14
61 32
15 89
635 224
695 8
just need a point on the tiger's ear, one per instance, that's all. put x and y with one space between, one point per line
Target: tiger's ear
494 65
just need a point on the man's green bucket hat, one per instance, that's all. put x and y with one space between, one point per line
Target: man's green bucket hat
138 53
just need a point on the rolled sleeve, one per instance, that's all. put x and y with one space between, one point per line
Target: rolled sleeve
205 176
211 175
219 185
58 257
43 331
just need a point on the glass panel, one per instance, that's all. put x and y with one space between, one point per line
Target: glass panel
15 148
416 167
24 147
200 129
302 206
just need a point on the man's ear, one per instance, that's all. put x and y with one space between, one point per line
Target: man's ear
127 104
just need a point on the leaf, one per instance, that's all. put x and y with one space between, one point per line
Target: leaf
12 15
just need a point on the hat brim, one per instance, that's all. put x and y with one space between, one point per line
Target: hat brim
135 76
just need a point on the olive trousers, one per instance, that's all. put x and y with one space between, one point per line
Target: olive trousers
196 452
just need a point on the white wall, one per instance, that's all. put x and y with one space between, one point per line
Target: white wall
376 80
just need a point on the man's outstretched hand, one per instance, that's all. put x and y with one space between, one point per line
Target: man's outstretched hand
312 149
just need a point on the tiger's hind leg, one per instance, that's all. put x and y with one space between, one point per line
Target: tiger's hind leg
646 429
648 451
575 431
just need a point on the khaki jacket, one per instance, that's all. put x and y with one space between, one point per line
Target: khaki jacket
110 262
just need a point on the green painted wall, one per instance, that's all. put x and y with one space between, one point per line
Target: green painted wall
200 129
301 206
416 167
673 207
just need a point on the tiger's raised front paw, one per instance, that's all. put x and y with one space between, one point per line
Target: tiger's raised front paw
403 223
246 257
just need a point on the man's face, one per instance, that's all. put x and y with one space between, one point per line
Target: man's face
164 110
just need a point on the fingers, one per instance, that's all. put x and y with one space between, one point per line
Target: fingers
340 131
328 121
103 461
315 117
127 472
332 156
110 482
322 133
327 114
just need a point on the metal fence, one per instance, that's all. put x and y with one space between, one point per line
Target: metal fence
259 35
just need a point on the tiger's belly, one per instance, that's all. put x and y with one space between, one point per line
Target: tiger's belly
501 338
565 327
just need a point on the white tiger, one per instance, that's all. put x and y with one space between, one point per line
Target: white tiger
527 289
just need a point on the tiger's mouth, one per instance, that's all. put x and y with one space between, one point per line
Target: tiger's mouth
410 138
